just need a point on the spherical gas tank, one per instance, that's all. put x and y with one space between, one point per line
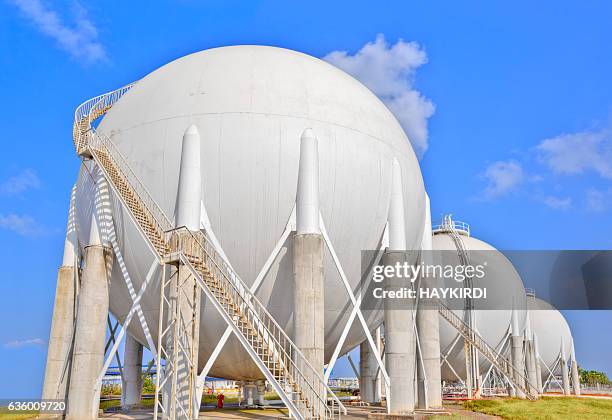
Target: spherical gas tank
250 105
504 286
552 332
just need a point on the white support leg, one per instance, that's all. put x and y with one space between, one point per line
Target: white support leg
131 389
356 304
62 325
356 309
290 227
126 323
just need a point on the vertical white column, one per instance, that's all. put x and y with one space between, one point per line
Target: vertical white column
367 372
188 214
57 369
132 373
575 373
261 392
428 327
564 370
518 361
90 333
400 339
309 282
530 359
538 363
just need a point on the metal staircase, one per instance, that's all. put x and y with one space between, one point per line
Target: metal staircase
500 362
299 385
474 343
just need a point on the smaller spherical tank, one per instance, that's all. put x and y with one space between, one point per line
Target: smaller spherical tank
552 332
504 288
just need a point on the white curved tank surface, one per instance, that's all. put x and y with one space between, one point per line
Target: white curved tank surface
491 324
552 331
250 105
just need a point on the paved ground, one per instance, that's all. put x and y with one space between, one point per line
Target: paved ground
354 413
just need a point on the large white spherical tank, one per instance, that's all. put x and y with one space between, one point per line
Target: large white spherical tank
250 105
552 332
491 324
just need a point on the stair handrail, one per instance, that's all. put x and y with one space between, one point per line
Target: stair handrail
253 304
83 112
484 347
96 140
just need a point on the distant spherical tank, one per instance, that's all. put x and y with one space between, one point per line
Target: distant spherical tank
552 332
250 105
491 324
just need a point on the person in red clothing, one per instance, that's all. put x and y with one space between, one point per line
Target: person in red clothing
220 399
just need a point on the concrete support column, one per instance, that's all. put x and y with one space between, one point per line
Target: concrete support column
429 374
261 392
518 361
538 364
400 339
309 281
565 377
57 369
132 373
530 359
510 388
367 373
250 390
531 368
56 379
564 369
428 327
400 346
90 333
308 297
575 373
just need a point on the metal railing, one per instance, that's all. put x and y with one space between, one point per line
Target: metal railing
294 368
452 225
486 350
90 110
283 359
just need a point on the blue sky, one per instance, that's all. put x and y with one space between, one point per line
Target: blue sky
510 105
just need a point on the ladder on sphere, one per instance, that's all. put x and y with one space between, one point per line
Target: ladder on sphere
299 385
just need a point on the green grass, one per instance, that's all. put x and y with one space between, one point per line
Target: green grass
105 405
546 408
6 414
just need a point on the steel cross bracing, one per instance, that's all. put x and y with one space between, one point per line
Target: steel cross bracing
485 349
300 386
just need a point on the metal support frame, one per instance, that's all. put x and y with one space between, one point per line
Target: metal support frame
501 350
350 359
356 302
445 359
289 228
551 374
117 339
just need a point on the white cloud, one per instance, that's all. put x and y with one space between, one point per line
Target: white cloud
503 177
23 343
557 203
21 182
388 70
576 153
597 200
22 224
79 39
